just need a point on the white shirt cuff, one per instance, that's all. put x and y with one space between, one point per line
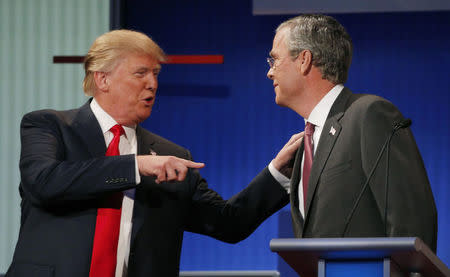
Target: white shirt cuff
283 180
138 177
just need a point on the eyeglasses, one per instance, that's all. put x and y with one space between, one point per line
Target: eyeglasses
271 62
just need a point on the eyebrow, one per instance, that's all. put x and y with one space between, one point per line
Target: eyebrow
272 54
145 68
156 69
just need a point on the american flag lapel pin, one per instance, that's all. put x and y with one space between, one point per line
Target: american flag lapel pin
332 131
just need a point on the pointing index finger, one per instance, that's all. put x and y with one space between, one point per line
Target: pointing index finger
192 164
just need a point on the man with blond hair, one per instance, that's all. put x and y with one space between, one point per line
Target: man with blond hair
101 196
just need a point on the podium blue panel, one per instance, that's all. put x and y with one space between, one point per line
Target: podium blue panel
340 268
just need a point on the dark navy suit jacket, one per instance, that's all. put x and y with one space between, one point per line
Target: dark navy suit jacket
65 174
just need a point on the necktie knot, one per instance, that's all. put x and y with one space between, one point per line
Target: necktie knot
117 130
113 148
309 129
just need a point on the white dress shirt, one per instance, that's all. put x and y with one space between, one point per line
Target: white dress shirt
318 116
127 145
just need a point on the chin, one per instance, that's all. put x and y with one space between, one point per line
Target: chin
142 116
279 102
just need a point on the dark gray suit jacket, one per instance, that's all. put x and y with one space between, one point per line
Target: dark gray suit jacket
341 166
65 174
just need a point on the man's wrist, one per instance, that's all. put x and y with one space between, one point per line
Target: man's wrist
279 177
138 176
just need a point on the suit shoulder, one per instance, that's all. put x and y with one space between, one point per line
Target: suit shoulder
49 115
369 104
372 115
367 100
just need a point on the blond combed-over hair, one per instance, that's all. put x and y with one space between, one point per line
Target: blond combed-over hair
109 48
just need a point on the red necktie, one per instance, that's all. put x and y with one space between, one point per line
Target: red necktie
107 228
307 163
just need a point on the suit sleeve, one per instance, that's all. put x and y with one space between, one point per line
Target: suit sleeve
410 205
235 219
49 178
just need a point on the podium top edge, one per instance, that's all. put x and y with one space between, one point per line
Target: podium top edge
346 244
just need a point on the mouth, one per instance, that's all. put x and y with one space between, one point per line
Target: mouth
149 100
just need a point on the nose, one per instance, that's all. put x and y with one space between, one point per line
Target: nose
152 82
270 73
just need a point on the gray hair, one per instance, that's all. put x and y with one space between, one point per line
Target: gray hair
328 41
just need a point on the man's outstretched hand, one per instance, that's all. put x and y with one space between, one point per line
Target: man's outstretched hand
284 160
165 168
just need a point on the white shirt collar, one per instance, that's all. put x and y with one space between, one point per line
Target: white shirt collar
106 121
319 114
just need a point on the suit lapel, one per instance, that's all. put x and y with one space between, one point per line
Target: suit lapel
145 144
330 133
297 218
144 141
327 141
86 126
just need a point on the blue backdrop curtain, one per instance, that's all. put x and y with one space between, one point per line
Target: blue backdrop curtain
226 115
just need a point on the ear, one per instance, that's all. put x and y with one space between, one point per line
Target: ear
101 81
305 59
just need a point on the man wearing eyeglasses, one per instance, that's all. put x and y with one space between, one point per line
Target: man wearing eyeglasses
358 172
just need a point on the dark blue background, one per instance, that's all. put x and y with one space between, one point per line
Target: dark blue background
226 115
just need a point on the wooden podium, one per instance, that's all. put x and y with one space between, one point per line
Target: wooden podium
386 257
